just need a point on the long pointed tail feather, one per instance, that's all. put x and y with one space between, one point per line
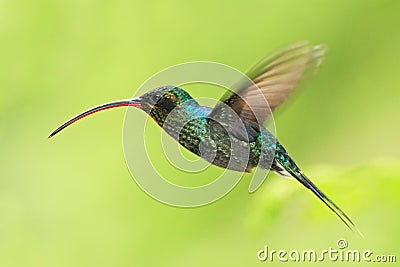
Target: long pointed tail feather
292 168
328 202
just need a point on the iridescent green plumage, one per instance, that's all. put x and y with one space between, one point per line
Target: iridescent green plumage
193 127
231 135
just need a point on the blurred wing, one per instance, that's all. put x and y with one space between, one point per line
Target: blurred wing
274 78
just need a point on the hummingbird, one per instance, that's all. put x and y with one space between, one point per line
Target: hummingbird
231 135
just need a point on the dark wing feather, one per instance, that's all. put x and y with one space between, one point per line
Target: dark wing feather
274 78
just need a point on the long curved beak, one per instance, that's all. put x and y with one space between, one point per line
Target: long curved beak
134 102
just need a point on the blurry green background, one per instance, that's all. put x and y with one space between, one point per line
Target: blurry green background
70 201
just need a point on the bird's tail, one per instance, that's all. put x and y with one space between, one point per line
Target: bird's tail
295 171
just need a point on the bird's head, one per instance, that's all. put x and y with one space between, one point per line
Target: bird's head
163 99
158 103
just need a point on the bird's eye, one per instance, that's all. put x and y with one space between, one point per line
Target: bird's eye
156 98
